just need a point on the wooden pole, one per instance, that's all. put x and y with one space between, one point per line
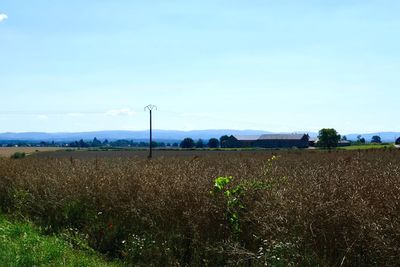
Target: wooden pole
151 135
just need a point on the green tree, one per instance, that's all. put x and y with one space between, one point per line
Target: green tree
213 143
161 144
96 142
328 138
376 139
154 144
187 143
223 140
200 143
82 143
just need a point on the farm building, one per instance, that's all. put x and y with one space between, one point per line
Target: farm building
244 141
343 143
283 140
269 141
313 141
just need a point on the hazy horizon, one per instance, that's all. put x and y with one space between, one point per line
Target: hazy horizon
79 66
202 130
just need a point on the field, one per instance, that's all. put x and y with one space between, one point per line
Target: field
273 208
368 146
8 151
140 154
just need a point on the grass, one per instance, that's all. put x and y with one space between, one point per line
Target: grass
22 244
367 146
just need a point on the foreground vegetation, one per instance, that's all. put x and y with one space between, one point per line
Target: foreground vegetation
22 244
293 208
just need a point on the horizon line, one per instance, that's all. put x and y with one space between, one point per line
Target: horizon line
192 130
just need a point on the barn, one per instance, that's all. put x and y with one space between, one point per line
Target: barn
343 143
271 141
244 140
283 141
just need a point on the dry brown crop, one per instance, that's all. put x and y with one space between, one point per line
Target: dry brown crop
8 151
304 209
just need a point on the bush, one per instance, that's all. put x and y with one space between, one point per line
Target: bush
18 155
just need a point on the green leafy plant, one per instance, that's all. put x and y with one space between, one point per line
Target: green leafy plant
18 155
234 203
234 194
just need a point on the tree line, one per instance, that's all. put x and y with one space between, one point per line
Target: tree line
330 138
327 137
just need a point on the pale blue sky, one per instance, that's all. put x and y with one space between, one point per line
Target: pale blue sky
269 65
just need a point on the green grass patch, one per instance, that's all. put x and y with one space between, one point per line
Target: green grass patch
22 244
367 146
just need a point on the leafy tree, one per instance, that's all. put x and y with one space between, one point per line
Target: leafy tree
154 144
344 138
200 143
213 143
161 144
143 144
82 143
360 139
328 138
44 144
187 143
223 139
376 139
121 143
96 142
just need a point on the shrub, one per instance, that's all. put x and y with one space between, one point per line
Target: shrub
18 155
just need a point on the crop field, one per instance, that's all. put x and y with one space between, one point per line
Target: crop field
8 151
160 153
267 208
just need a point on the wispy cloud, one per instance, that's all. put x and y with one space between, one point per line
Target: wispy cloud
42 117
3 17
121 112
198 115
75 114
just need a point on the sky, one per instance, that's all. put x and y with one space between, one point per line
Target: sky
282 66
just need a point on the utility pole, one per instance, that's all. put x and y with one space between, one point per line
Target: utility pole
150 108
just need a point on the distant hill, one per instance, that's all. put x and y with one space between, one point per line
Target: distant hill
161 135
